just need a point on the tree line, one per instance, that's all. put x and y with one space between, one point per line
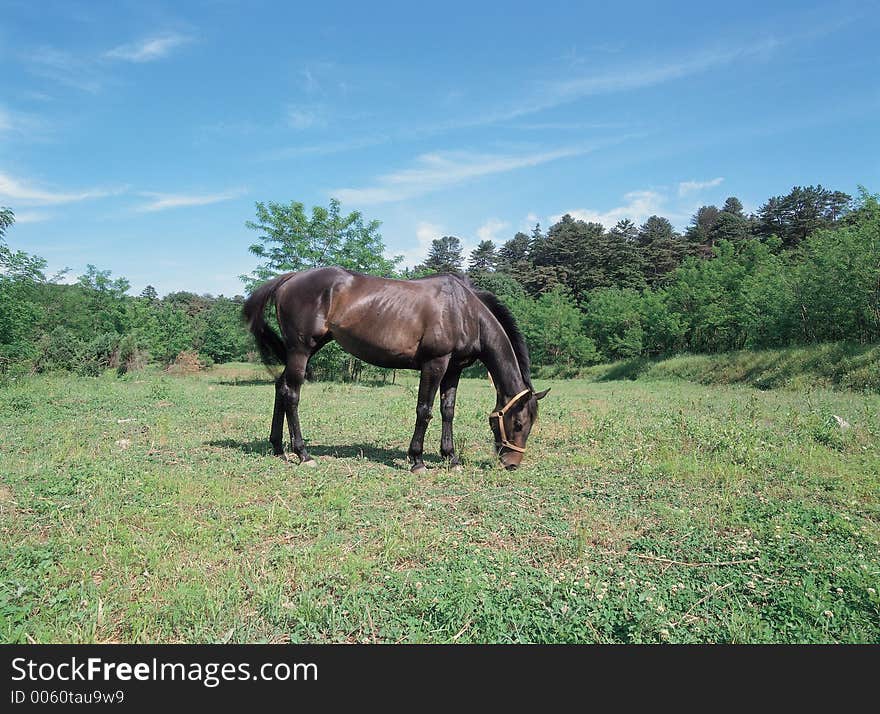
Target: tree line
804 268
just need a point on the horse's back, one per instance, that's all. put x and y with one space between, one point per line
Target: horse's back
391 323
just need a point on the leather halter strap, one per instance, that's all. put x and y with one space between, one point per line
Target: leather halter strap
500 416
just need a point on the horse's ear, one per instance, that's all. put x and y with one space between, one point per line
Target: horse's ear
541 395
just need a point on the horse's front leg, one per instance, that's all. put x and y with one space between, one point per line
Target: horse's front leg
432 373
448 390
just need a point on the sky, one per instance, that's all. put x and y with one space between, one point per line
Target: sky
137 136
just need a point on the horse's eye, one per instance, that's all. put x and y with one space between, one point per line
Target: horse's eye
517 425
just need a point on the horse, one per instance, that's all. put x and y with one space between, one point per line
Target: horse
438 325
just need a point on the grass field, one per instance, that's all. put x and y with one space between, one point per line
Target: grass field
147 509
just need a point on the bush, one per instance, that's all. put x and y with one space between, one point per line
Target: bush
186 362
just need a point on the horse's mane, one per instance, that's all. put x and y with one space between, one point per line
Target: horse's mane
503 315
508 322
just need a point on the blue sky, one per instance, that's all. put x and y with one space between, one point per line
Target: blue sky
137 136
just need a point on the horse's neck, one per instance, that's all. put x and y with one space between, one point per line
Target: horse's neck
500 360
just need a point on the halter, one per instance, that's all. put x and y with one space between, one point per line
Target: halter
500 416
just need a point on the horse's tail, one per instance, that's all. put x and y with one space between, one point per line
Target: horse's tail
271 346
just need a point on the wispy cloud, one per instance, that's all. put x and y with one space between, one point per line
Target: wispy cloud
148 49
687 187
648 75
444 169
165 201
637 206
64 68
16 191
325 148
550 94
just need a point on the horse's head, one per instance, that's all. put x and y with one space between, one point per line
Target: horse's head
511 425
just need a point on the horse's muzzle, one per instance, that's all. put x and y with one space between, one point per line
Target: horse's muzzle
511 460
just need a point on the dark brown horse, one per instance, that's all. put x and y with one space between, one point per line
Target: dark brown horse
438 325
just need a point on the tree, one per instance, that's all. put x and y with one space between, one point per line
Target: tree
698 232
513 252
290 240
733 206
624 263
444 256
802 211
614 321
662 249
577 252
554 329
149 294
7 218
483 258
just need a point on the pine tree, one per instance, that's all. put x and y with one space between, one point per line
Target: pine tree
444 256
483 258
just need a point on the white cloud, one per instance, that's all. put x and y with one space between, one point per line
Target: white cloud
165 201
490 229
639 205
440 170
425 233
686 187
148 49
16 191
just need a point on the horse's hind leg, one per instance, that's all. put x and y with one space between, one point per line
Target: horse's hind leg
292 381
275 437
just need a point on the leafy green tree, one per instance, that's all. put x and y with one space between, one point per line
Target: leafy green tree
104 301
149 294
554 330
662 329
614 320
837 279
290 240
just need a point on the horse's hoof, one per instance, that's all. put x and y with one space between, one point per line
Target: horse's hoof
311 463
281 456
418 469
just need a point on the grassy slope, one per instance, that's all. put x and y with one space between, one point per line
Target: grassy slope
834 365
147 509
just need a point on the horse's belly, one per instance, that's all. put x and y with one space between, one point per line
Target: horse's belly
377 350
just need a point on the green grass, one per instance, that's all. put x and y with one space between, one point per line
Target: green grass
835 365
147 509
